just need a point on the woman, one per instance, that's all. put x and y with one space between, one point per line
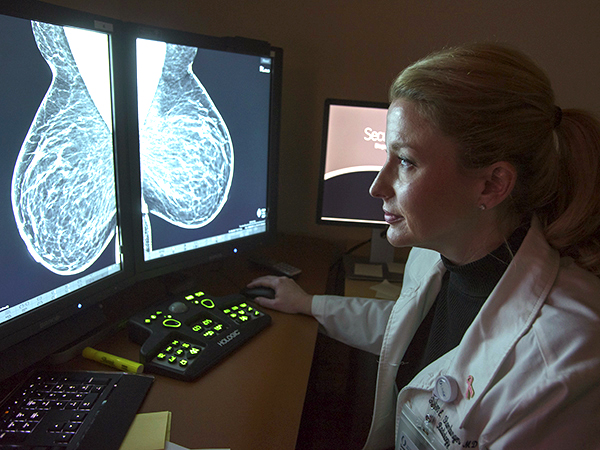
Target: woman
494 342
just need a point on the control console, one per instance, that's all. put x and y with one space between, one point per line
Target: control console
185 336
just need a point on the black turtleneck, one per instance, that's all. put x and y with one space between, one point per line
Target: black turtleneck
463 292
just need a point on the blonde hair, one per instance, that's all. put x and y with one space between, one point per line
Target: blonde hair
499 106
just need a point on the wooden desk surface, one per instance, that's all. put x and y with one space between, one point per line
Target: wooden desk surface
252 399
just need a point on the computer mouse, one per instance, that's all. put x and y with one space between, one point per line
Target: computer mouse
178 307
258 291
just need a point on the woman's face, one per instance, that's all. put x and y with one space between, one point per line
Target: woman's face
428 200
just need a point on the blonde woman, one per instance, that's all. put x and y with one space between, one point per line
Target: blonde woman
494 342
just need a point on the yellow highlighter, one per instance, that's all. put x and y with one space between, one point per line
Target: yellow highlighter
112 360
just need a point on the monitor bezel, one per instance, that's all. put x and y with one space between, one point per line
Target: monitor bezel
37 333
172 263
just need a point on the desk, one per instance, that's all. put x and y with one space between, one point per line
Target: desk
253 399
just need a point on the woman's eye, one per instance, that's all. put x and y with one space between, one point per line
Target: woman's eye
405 162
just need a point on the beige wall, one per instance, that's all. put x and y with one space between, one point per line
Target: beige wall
353 49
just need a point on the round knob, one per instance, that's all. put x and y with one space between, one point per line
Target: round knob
446 388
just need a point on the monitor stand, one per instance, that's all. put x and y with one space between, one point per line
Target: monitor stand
380 264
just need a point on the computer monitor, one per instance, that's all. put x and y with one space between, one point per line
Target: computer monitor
61 225
207 146
353 151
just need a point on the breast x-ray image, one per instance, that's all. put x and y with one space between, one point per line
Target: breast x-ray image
63 185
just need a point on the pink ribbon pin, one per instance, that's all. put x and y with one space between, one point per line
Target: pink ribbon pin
470 391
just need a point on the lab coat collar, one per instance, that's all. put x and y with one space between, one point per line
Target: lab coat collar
505 317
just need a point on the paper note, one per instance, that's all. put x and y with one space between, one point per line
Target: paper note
171 446
148 431
387 290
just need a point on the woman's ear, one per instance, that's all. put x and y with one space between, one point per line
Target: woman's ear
500 179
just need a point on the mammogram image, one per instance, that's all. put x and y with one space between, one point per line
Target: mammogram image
63 188
186 153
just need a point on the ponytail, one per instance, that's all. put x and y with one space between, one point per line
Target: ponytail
572 224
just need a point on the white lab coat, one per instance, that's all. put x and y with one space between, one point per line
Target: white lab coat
533 353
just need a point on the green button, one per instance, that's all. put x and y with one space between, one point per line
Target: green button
171 323
183 363
172 359
208 303
199 294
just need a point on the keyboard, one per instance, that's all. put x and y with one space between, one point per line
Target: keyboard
71 410
186 335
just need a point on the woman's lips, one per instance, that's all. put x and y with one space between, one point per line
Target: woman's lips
391 218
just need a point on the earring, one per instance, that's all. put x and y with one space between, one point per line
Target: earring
482 207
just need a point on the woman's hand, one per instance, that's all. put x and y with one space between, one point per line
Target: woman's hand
289 297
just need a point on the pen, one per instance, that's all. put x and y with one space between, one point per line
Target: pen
112 360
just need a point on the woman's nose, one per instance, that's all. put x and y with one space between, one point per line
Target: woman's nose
380 188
